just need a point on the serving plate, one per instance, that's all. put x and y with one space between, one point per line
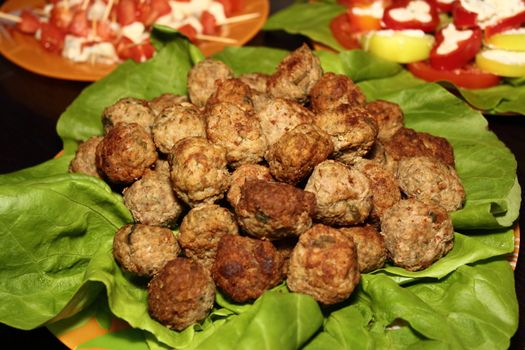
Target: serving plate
25 51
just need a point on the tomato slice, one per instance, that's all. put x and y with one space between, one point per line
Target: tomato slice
127 49
209 23
189 32
469 77
448 53
445 6
126 12
149 11
104 31
228 7
79 25
29 22
362 17
505 24
416 14
344 33
51 37
61 16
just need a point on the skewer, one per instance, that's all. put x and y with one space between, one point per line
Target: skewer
218 39
107 11
240 18
10 17
85 4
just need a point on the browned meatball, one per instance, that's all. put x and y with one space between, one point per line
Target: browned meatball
202 228
352 129
343 195
239 177
202 79
333 90
85 157
246 267
166 100
238 131
274 210
198 171
285 248
151 199
181 294
144 249
256 81
417 233
232 91
125 153
175 123
428 179
438 147
128 110
278 116
383 184
324 265
371 251
388 115
293 157
296 74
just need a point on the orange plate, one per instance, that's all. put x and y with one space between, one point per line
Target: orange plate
25 51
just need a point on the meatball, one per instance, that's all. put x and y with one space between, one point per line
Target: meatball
84 161
383 184
293 157
352 129
343 195
371 251
334 90
388 115
202 228
417 233
239 177
296 74
256 81
324 265
232 91
151 199
237 131
428 179
166 100
181 294
175 123
438 147
198 171
274 210
202 79
246 267
144 249
284 248
125 153
278 116
128 110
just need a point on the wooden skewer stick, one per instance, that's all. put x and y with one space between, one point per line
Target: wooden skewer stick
10 17
107 11
240 18
218 39
85 4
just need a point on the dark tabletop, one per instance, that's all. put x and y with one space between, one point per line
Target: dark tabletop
30 105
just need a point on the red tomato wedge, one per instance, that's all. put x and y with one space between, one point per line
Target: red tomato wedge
343 32
468 77
79 25
127 49
149 11
228 7
104 31
189 32
209 23
52 38
505 24
126 12
61 16
29 22
406 14
465 50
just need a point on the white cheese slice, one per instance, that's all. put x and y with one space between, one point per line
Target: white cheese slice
417 10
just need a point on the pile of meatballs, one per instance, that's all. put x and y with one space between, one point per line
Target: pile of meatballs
291 176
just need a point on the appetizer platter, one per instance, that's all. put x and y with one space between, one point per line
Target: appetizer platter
86 285
85 40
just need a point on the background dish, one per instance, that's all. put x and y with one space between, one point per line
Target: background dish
25 51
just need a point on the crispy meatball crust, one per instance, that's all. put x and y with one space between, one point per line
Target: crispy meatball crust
417 233
202 228
199 173
165 100
256 81
383 184
151 199
274 210
371 251
388 115
202 79
296 74
343 195
428 179
175 123
352 129
333 90
128 110
324 265
246 267
438 147
85 157
293 157
239 177
278 116
232 91
238 131
181 294
144 249
125 153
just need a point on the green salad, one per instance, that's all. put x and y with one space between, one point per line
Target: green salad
312 19
57 230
